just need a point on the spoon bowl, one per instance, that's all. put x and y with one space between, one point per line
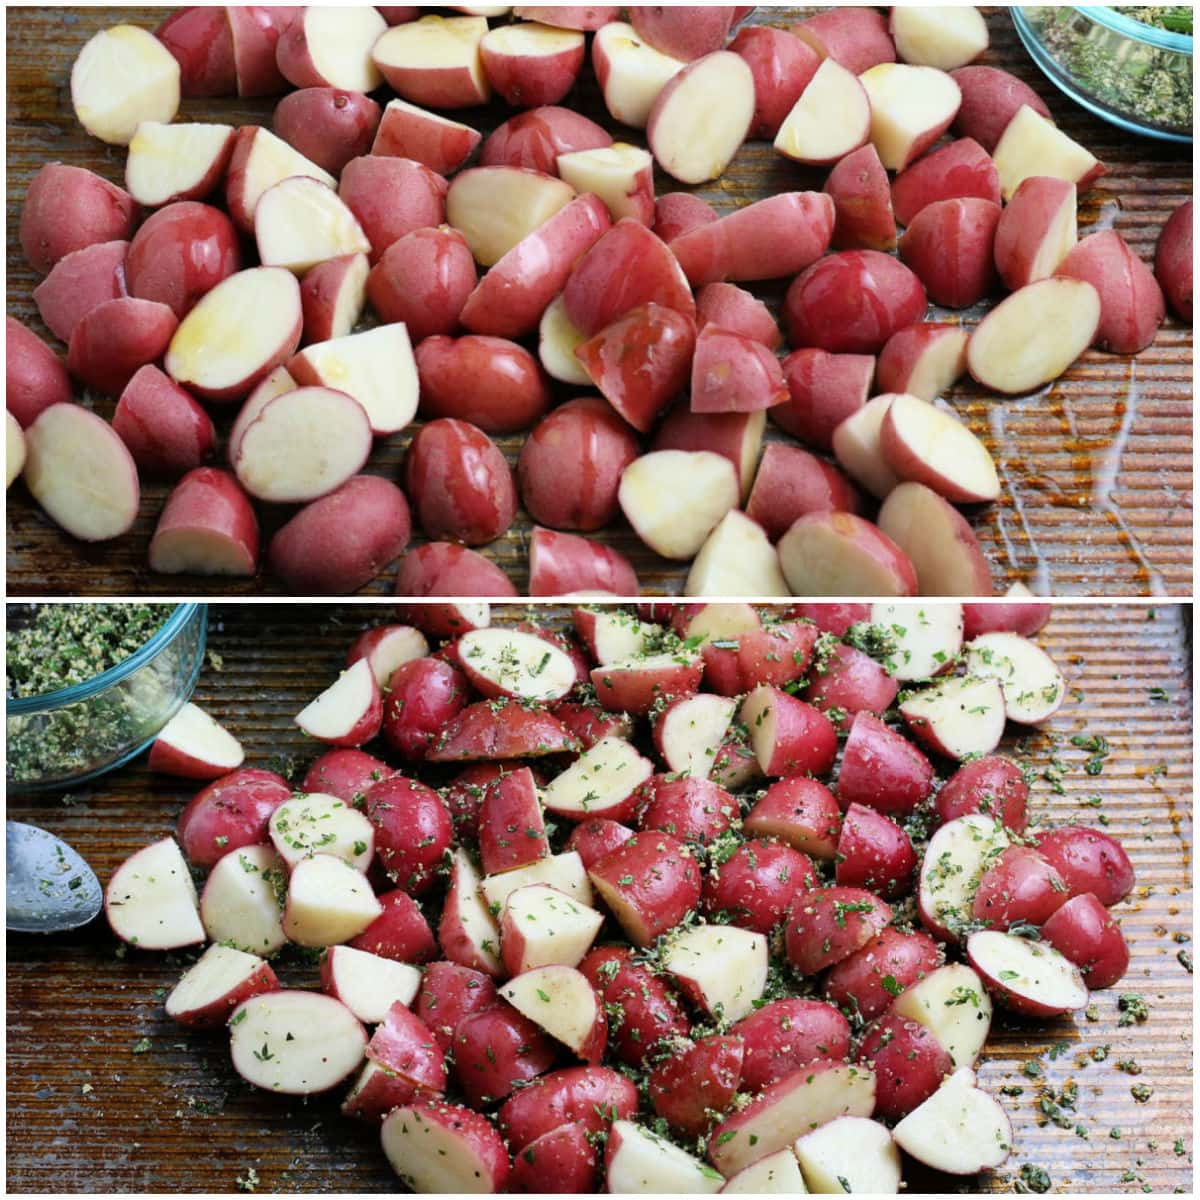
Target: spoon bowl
49 888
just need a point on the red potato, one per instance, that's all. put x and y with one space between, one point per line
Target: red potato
256 32
1173 261
737 558
990 100
259 161
586 18
496 207
734 373
882 770
689 732
702 115
542 927
230 813
827 925
166 431
116 338
323 48
831 618
562 1160
700 1080
959 717
941 546
852 302
732 308
789 737
536 138
830 120
412 831
150 900
674 498
436 1146
67 208
435 61
562 564
406 131
778 655
755 886
1019 886
648 884
858 447
207 527
558 340
346 773
782 66
1030 978
1019 617
423 695
399 14
530 64
790 483
467 932
1132 306
390 197
181 253
630 72
443 569
868 981
722 969
1033 145
460 484
94 506
573 1015
949 246
347 713
588 433
685 33
856 38
1089 861
202 44
851 682
447 620
78 283
875 853
769 239
911 107
945 39
621 175
35 378
924 360
992 785
1036 231
328 125
211 354
332 295
641 361
448 994
495 1050
491 382
219 981
591 725
839 554
604 780
908 1062
367 984
862 202
960 170
593 839
693 809
590 1096
339 543
957 856
800 812
626 268
1083 931
194 745
678 213
510 299
520 663
300 222
652 1013
784 1036
423 279
824 389
929 445
736 436
495 730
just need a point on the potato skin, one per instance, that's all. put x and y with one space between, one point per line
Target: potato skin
1173 261
68 208
949 247
782 66
35 378
909 1064
901 959
786 1035
345 772
874 852
704 1076
423 279
422 696
342 541
230 813
594 1096
444 569
536 138
993 785
990 99
1090 861
201 42
79 282
757 883
881 769
496 1049
327 125
678 213
1084 931
412 831
953 172
166 431
117 338
827 925
392 197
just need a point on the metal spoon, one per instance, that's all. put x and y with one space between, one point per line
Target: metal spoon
49 888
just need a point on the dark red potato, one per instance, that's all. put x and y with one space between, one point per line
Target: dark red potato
949 247
593 1096
201 42
804 813
561 1161
871 978
422 697
593 839
231 812
1173 261
512 831
497 1049
881 769
1020 886
789 737
590 725
757 883
696 810
992 785
955 171
346 773
851 682
400 932
492 730
443 569
1000 617
423 279
786 1035
412 831
734 373
831 618
116 338
856 38
536 138
687 1086
1089 861
1084 931
448 994
649 884
826 925
990 99
908 1062
874 852
776 654
824 390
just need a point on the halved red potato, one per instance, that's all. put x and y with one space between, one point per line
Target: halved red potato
960 1129
332 295
952 1003
637 684
436 61
400 933
201 41
924 360
694 809
494 730
612 634
1018 616
790 483
220 979
404 1047
1020 886
194 745
467 932
207 527
1173 261
850 682
437 142
737 558
783 1036
782 66
927 638
648 884
1036 231
789 737
448 994
1032 144
1034 687
960 717
150 901
349 712
840 554
869 980
955 860
875 853
255 31
310 822
881 769
512 832
439 1147
326 48
560 1000
1028 977
507 662
636 1160
690 730
631 72
529 64
1090 861
826 925
857 444
328 902
652 1013
830 119
911 107
862 201
929 445
621 175
801 812
734 373
908 1061
594 838
592 1096
536 138
992 785
413 831
721 968
944 39
541 926
301 222
678 213
1083 931
754 886
851 1153
959 170
230 813
857 38
241 904
738 436
558 340
77 283
115 339
330 126
176 162
444 569
694 1083
391 197
602 781
496 1050
563 872
259 161
825 390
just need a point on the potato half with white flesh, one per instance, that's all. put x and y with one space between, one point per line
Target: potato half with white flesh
639 1162
443 1148
960 1129
313 823
541 926
850 1154
151 902
599 783
301 222
952 1003
927 637
507 662
368 984
560 1000
563 872
242 901
722 968
1029 977
328 902
955 860
776 1175
1034 687
123 76
962 717
467 932
220 980
692 730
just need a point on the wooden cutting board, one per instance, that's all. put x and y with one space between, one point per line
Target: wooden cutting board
89 1111
1096 468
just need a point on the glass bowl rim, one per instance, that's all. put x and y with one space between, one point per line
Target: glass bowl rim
77 692
1162 39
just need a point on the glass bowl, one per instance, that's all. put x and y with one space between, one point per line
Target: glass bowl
63 738
1134 76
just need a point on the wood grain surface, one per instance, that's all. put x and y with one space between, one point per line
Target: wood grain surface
1096 468
88 1112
